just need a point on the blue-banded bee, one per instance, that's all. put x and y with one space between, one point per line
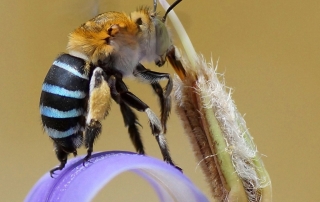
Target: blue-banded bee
78 89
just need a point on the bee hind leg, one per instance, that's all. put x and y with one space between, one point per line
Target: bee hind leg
164 96
98 107
62 157
92 132
64 146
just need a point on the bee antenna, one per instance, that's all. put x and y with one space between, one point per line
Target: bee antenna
155 2
169 9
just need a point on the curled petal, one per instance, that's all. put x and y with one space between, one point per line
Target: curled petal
81 183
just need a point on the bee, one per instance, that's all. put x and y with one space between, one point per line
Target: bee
78 88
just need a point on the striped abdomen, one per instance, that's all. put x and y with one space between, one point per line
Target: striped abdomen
63 100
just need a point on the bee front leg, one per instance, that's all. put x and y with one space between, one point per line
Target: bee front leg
98 107
165 104
164 97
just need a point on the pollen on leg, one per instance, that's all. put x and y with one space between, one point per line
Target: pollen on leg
100 97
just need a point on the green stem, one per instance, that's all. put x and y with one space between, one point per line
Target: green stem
233 182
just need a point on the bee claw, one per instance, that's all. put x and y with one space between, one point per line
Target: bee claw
85 160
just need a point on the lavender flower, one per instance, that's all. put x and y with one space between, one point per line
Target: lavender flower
81 183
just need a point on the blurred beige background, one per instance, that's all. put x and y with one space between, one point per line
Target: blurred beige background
268 50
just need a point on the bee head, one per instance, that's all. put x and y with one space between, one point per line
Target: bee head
153 36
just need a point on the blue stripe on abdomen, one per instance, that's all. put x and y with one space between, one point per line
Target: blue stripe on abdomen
62 91
54 113
70 69
63 97
61 134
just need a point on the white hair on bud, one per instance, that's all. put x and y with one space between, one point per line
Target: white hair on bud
203 80
178 85
211 86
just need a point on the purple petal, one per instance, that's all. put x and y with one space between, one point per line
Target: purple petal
81 183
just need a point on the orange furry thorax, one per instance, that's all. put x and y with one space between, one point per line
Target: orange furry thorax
92 37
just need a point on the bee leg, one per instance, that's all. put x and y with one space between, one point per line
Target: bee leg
62 157
64 146
164 97
98 107
165 104
92 132
131 120
129 117
155 124
165 151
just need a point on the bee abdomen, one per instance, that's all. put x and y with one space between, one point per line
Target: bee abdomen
63 97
